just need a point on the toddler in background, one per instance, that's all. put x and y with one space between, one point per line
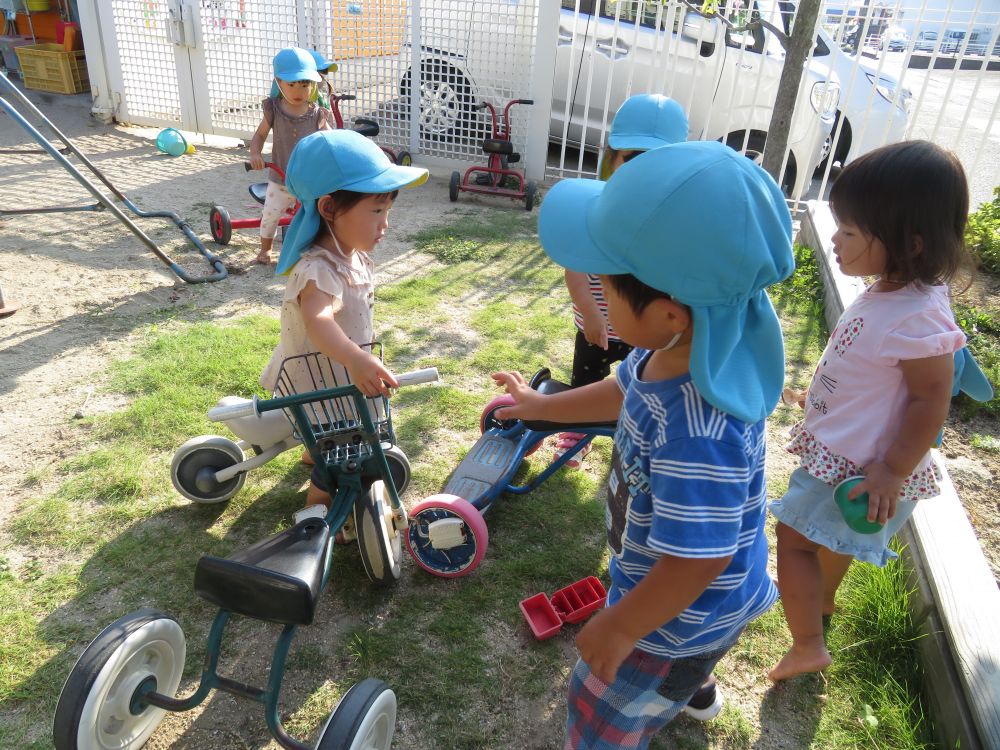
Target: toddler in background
292 115
643 122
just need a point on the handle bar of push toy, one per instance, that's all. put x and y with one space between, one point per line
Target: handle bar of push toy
250 408
248 166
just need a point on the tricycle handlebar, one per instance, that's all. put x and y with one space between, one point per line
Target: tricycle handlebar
234 411
415 377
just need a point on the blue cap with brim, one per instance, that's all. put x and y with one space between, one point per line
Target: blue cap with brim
705 225
295 64
322 63
642 123
331 160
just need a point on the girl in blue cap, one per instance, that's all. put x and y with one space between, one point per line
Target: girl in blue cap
323 90
883 385
292 114
346 185
643 122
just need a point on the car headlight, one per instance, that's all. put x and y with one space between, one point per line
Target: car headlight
824 97
886 88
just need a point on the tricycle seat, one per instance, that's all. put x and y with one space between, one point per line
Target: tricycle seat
367 128
542 383
258 191
498 146
278 579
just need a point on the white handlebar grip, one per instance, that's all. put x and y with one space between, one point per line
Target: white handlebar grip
414 377
245 408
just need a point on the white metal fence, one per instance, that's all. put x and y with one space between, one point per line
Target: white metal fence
206 65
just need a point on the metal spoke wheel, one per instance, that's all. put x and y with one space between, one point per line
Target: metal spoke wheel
381 544
194 466
365 719
220 225
99 707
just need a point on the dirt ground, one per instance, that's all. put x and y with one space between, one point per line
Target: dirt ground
84 285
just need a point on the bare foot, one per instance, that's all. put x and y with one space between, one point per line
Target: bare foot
801 659
264 258
307 458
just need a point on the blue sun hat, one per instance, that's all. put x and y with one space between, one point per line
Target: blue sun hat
330 160
294 64
644 122
705 225
322 64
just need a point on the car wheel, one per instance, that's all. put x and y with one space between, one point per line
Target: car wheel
755 152
445 99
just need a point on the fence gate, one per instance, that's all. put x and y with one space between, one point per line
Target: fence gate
205 66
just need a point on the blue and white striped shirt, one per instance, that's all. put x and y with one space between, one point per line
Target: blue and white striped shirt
687 480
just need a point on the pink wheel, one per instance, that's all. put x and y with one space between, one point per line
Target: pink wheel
447 536
488 420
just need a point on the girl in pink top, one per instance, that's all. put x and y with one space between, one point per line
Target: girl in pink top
882 388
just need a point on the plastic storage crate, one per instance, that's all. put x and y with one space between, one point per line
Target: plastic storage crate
48 67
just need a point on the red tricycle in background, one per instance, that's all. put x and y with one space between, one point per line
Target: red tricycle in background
222 226
491 178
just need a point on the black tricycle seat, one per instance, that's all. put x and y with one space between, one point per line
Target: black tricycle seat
498 146
258 191
278 579
367 128
542 382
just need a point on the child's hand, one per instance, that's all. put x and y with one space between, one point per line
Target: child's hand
369 374
256 161
528 400
595 329
790 397
603 646
882 486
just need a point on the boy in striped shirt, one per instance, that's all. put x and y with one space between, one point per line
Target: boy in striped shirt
685 239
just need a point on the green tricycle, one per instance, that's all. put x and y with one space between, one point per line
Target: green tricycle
126 680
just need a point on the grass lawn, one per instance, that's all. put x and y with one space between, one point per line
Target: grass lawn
115 536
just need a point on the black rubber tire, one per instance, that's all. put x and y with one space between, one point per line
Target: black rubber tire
456 180
529 195
220 225
404 159
351 717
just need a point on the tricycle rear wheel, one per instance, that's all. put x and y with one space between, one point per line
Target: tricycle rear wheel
365 719
220 224
195 463
99 705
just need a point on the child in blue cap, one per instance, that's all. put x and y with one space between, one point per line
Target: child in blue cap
291 115
323 90
643 122
685 283
346 186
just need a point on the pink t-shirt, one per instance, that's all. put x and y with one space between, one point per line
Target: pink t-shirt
856 400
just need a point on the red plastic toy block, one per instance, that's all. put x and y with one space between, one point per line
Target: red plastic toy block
572 604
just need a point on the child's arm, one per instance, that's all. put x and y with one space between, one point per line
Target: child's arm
257 144
595 327
928 388
365 370
597 402
669 588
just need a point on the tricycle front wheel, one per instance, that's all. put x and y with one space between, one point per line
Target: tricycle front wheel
447 536
380 543
100 705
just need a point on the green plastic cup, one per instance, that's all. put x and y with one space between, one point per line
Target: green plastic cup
855 511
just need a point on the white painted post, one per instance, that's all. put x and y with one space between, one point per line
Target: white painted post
546 35
103 107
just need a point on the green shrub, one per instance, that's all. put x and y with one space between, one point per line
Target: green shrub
982 328
982 235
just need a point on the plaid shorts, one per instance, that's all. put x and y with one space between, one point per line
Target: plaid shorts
648 692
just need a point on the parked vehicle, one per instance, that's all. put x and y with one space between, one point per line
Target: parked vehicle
872 105
926 41
701 62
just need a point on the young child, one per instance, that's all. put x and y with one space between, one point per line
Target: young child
323 90
685 286
883 386
346 185
643 122
292 115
